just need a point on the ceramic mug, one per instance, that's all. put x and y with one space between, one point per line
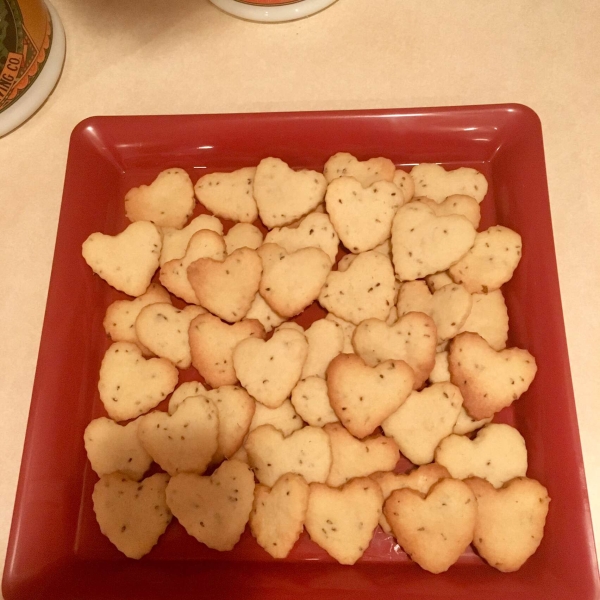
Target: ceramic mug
272 11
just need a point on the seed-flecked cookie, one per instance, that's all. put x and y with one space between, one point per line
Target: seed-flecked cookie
489 318
183 391
423 243
358 458
366 172
465 423
325 341
290 282
311 401
348 331
362 397
497 453
405 182
362 217
243 235
132 514
128 260
130 385
263 313
434 530
284 195
185 441
437 281
306 452
342 520
111 447
270 370
175 241
227 288
457 204
229 195
491 261
510 521
315 230
423 421
214 509
284 418
212 343
435 182
168 201
278 513
489 380
119 320
411 339
365 290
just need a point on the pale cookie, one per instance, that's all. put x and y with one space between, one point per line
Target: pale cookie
214 509
489 380
345 262
168 201
175 241
111 447
366 172
291 325
278 513
262 312
392 317
183 391
423 244
489 318
185 441
229 195
227 288
130 385
212 343
510 521
163 329
449 307
311 401
243 235
434 530
440 371
342 521
241 455
411 339
173 274
119 320
405 182
325 342
128 260
365 290
306 452
362 397
497 453
385 248
435 182
284 195
132 514
423 421
284 418
291 282
491 261
362 217
438 280
348 331
420 479
457 204
466 423
354 458
270 370
315 230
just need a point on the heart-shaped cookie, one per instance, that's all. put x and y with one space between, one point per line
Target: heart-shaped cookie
214 509
290 282
435 182
366 172
465 423
183 391
128 260
411 339
510 521
457 204
311 401
284 418
497 453
489 380
325 341
423 421
130 385
489 318
270 370
132 514
284 195
365 290
243 235
306 452
348 330
362 217
433 530
362 397
423 243
185 441
405 182
277 517
342 520
227 288
175 241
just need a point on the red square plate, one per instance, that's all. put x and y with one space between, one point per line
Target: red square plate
56 549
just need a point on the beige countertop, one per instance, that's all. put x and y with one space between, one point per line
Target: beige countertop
185 56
